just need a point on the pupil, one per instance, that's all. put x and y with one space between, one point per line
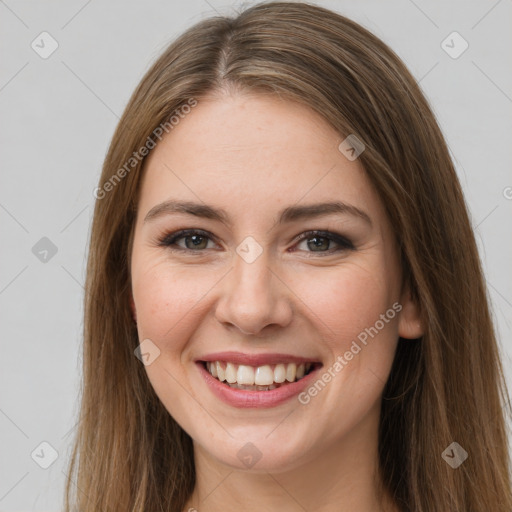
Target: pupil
196 240
318 244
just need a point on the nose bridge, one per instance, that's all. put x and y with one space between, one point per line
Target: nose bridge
252 280
253 276
253 297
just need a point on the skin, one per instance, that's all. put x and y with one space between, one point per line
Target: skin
253 155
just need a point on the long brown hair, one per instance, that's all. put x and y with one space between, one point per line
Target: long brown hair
448 386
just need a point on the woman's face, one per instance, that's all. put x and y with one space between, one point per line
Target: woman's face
251 289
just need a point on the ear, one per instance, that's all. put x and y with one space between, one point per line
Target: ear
132 307
410 325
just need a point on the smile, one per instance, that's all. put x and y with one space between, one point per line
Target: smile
259 378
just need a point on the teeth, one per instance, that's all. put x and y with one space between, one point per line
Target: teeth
245 375
261 378
280 373
264 376
291 372
252 388
231 373
221 373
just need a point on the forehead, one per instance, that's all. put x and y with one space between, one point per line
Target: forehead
254 154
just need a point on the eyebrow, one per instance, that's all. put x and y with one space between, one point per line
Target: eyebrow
289 214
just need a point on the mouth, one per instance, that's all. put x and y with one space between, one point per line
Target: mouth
258 378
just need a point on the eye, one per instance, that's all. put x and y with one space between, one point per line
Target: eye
320 242
196 240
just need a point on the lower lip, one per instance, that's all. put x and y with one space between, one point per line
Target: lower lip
255 399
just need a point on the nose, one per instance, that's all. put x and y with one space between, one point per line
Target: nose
254 298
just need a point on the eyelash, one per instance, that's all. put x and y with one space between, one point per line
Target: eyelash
169 240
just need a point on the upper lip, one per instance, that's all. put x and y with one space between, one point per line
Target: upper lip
256 359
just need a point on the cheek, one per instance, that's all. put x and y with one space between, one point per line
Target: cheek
165 296
168 303
345 300
352 310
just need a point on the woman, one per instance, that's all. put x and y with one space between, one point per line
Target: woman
227 364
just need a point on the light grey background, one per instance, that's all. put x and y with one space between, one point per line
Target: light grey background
58 115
